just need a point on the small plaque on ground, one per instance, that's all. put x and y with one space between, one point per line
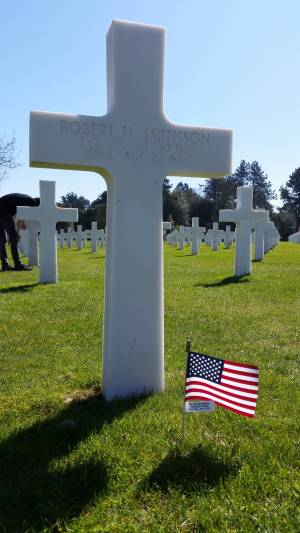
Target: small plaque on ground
199 406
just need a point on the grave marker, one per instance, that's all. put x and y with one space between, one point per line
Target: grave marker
79 237
47 214
61 237
259 237
245 217
216 235
33 253
70 236
227 237
133 147
196 235
94 237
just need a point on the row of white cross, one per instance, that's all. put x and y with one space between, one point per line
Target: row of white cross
28 243
95 235
249 222
195 235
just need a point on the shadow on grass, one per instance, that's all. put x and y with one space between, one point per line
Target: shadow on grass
199 469
19 288
225 281
33 494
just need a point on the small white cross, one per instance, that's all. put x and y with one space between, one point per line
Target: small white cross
245 217
48 214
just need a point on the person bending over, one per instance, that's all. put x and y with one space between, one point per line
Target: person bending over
8 210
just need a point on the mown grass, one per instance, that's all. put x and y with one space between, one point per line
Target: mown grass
123 466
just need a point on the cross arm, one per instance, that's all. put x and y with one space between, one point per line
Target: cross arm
66 214
227 215
66 141
197 151
28 213
56 214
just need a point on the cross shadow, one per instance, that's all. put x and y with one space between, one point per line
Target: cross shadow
19 288
198 469
225 281
33 493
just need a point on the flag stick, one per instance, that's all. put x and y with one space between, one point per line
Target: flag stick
187 350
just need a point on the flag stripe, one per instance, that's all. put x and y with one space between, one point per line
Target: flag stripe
236 383
240 381
251 398
241 387
223 403
240 376
233 390
221 396
242 373
241 368
226 362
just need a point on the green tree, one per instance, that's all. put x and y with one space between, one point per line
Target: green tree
100 207
290 195
240 177
167 199
180 207
222 191
262 187
71 199
100 200
284 221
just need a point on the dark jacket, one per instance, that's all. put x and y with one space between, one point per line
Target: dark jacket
9 203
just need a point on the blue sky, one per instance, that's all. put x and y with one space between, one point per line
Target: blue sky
229 63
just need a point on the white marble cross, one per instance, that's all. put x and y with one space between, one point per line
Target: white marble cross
70 236
216 235
48 214
181 237
294 237
167 226
269 229
101 237
134 146
94 237
23 243
33 253
196 234
79 237
259 237
245 217
61 237
227 237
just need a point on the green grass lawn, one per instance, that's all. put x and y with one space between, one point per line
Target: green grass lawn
123 467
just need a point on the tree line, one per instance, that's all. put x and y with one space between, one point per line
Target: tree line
183 202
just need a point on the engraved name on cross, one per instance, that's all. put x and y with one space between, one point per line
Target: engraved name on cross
134 146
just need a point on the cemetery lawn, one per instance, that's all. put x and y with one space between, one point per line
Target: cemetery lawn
70 462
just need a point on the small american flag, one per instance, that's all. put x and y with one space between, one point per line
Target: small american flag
228 384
